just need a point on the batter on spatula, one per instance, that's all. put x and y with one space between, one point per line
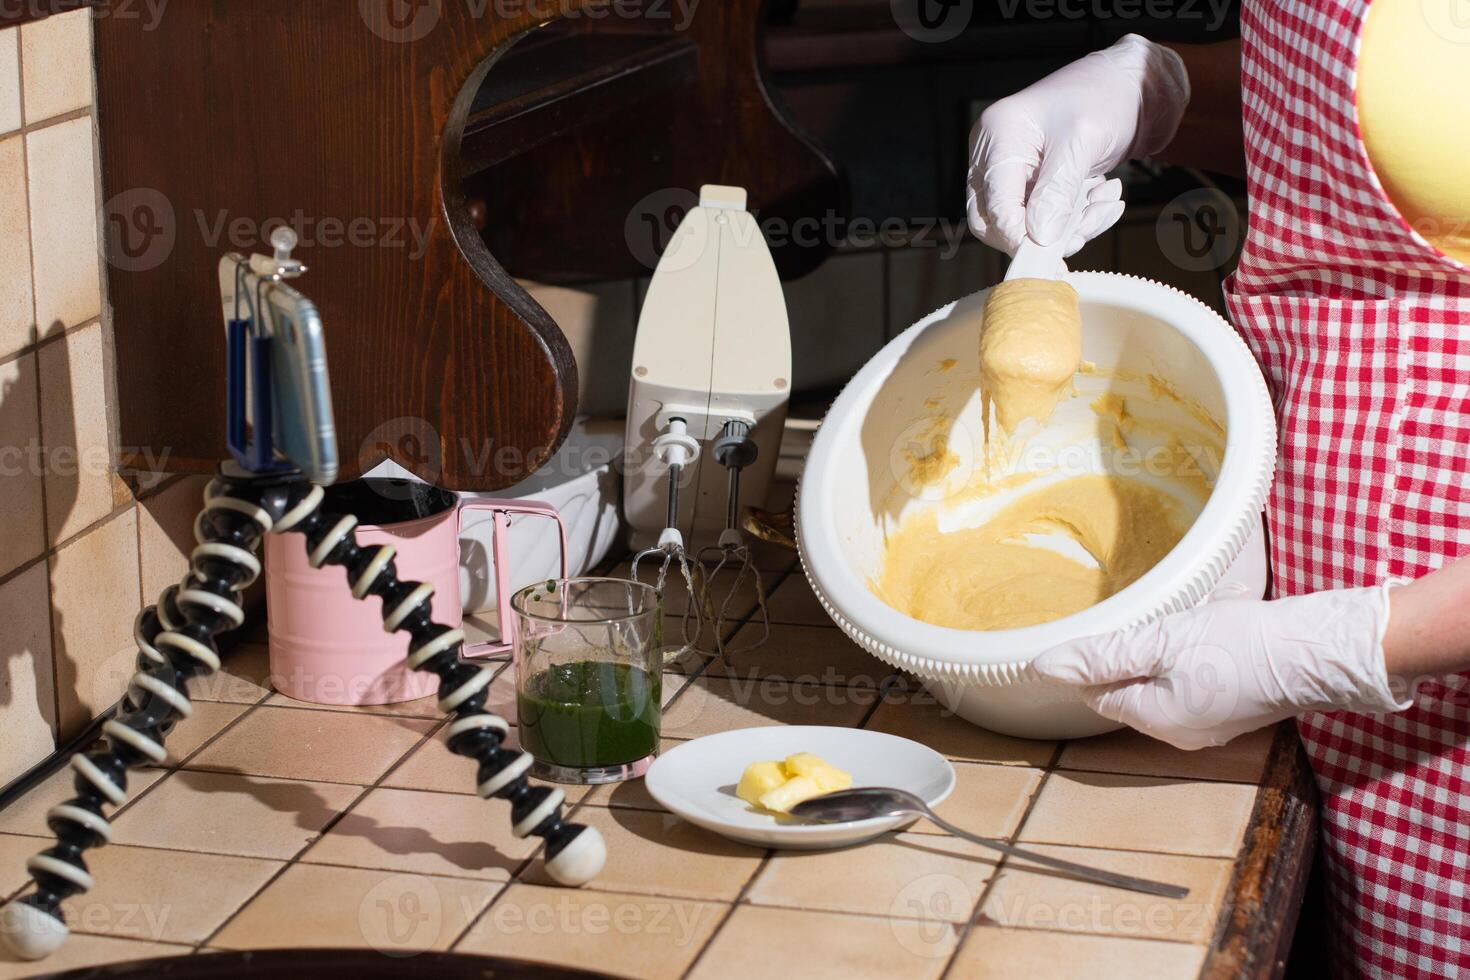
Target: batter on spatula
1030 347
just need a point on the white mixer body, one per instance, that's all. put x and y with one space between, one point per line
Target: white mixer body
713 346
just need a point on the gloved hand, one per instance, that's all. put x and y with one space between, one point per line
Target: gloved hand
1081 121
1201 677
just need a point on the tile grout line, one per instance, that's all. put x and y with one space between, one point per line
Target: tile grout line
326 828
582 803
1000 865
740 897
33 348
572 810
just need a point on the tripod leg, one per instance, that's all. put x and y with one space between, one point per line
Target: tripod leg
574 853
175 645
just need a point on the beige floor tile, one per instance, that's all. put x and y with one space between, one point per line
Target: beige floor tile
57 55
481 627
17 322
28 814
208 720
89 951
94 600
164 896
766 942
426 833
433 767
794 603
713 704
14 852
166 533
226 813
918 716
990 953
1128 751
903 876
27 692
1043 899
20 426
740 592
631 793
801 653
625 935
64 227
427 708
1140 813
330 746
394 913
243 679
10 84
987 800
75 431
772 559
659 854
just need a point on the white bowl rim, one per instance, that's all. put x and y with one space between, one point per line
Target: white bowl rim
1182 579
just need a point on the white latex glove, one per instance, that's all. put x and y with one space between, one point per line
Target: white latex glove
1031 152
1227 667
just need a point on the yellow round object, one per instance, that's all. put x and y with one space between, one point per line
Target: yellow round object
1413 92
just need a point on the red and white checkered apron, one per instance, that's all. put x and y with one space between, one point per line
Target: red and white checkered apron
1363 331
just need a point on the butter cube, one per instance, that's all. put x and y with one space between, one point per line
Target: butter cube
787 795
827 776
759 779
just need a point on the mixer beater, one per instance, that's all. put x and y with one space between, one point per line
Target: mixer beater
706 410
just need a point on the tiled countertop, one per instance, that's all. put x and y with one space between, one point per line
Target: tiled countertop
278 823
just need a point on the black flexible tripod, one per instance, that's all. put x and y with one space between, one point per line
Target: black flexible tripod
249 498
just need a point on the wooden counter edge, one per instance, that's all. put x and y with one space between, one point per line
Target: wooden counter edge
1259 916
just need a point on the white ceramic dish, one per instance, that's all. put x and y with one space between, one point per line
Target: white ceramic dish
697 781
852 492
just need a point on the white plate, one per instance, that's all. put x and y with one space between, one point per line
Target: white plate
697 781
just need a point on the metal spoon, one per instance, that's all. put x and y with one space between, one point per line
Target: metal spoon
868 802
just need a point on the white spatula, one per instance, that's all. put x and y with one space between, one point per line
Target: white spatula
1033 261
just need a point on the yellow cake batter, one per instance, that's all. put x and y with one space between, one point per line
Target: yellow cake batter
994 576
1030 347
990 578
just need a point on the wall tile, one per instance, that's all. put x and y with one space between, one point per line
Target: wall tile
17 310
837 319
20 474
166 533
921 279
94 598
57 58
64 224
27 686
74 429
1140 254
599 324
9 80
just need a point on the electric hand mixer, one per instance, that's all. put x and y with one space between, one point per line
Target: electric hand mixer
707 403
282 437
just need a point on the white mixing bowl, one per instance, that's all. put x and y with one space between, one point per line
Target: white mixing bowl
856 488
